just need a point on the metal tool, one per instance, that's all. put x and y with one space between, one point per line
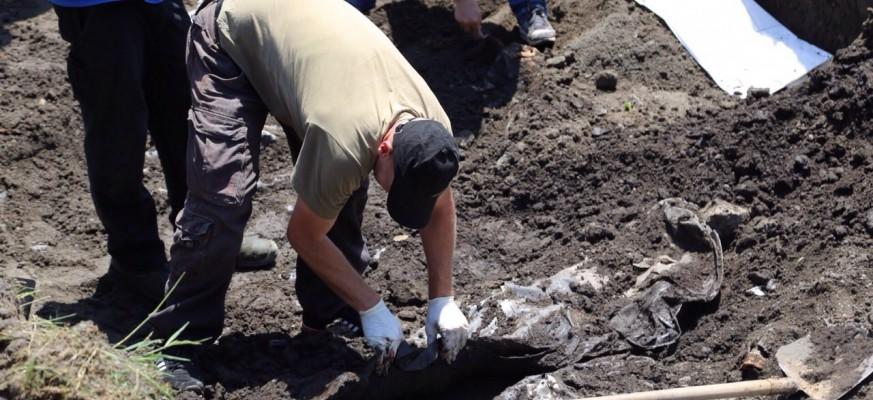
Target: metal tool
809 368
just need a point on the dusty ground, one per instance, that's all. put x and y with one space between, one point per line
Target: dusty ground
555 173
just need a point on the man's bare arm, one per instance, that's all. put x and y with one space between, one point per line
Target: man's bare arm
438 239
307 233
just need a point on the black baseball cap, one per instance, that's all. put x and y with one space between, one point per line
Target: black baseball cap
425 162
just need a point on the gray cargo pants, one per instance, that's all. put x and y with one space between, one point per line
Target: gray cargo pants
224 139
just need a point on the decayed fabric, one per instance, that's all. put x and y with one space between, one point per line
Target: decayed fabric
650 320
536 328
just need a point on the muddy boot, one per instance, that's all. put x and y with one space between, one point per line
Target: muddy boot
256 253
180 375
149 284
534 26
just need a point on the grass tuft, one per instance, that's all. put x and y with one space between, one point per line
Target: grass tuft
46 359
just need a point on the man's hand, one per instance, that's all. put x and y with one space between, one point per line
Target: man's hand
445 319
469 17
382 332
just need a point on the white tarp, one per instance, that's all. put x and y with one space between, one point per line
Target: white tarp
738 43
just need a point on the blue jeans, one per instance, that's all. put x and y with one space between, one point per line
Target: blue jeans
520 8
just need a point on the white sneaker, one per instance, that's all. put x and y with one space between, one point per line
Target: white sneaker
535 28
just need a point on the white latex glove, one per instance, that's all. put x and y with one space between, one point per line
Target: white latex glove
382 332
445 319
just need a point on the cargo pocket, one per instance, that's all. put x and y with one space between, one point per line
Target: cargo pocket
219 164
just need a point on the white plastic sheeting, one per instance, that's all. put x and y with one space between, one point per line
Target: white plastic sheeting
738 43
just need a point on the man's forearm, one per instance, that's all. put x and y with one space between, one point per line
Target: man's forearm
308 235
326 260
438 239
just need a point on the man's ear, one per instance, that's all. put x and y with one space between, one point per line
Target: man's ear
384 149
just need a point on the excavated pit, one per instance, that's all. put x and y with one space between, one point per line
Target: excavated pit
556 175
830 25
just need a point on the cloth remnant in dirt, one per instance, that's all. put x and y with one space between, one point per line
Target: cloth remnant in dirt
725 218
538 316
650 320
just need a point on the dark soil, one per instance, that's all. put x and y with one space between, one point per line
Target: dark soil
555 172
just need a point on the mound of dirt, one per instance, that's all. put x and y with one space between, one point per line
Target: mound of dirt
557 179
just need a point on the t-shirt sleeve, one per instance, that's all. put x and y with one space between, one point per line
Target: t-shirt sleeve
325 175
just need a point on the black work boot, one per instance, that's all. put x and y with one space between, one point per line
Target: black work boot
180 375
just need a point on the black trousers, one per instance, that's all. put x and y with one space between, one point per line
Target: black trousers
126 65
225 123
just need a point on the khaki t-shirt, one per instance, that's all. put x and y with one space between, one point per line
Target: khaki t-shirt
325 70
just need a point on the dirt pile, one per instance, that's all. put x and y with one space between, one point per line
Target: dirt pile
556 174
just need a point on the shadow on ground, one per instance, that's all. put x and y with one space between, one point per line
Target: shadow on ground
23 9
468 75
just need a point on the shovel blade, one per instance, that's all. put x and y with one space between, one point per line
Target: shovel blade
829 363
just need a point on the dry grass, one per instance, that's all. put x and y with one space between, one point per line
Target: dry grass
46 359
52 361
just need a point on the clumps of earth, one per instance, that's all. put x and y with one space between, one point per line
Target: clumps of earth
566 150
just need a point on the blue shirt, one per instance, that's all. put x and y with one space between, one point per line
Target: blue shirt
88 3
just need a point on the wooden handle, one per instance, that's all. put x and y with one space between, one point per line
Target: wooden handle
719 391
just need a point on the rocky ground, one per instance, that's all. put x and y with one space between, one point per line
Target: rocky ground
558 171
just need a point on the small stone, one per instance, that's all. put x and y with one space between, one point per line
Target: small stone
289 209
464 138
783 187
556 62
406 315
757 93
411 297
746 243
606 80
594 233
868 222
401 238
151 153
267 138
598 131
756 291
801 165
725 218
840 232
844 189
783 113
745 190
771 285
39 247
761 277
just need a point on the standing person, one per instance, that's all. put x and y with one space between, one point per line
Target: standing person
126 65
532 17
350 104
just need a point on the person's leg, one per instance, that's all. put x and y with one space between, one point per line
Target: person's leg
533 22
167 93
105 67
224 135
168 98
